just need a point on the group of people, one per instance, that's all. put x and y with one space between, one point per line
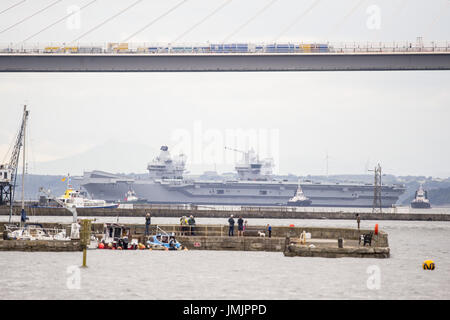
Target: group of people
187 225
242 226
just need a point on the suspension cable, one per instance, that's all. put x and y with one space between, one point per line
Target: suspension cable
249 20
30 16
107 20
14 5
227 2
155 20
58 21
340 23
296 20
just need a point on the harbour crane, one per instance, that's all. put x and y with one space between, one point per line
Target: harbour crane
245 153
8 170
75 227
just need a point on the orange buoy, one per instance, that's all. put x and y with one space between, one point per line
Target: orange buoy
376 229
428 265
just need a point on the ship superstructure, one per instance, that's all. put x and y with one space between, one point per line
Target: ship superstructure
164 167
251 168
255 186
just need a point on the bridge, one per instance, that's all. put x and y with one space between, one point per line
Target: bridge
124 57
222 56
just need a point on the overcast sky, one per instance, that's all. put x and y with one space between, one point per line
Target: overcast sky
400 119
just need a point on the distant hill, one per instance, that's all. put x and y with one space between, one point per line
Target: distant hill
113 156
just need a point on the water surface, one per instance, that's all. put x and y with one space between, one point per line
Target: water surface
236 275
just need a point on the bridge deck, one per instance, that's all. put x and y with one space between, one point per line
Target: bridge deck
118 62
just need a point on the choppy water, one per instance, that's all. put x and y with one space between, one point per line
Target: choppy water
236 275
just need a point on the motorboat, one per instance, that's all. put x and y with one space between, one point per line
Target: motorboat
33 231
117 236
162 241
79 199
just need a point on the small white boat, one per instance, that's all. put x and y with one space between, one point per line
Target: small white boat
79 199
34 231
74 199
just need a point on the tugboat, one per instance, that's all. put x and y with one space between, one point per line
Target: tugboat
131 197
421 199
299 200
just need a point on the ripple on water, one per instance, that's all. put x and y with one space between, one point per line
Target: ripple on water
239 275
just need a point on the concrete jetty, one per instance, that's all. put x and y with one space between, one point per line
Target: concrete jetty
324 242
40 245
232 243
256 212
333 252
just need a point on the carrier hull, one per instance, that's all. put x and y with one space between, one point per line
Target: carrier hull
252 193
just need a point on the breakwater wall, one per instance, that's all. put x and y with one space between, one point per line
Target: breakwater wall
233 243
254 213
360 252
40 245
221 231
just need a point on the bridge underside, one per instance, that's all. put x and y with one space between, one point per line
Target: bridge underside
222 63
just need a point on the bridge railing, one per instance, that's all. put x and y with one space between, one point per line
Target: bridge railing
234 48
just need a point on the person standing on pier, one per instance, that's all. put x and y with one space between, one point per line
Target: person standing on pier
358 219
183 223
231 230
191 223
269 229
148 222
240 227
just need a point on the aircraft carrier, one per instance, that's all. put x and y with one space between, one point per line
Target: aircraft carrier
255 186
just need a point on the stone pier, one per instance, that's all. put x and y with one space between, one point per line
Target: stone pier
40 245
